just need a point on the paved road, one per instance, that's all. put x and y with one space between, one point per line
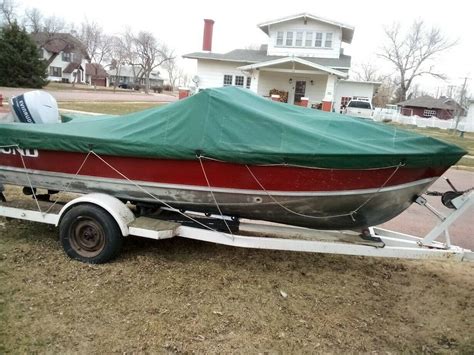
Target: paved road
419 221
91 95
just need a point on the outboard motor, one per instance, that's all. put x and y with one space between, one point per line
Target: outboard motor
35 107
32 107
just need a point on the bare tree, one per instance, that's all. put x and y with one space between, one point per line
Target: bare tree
173 71
412 54
129 43
150 54
34 20
91 35
366 71
53 25
8 12
118 54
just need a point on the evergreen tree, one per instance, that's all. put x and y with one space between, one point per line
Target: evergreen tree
20 65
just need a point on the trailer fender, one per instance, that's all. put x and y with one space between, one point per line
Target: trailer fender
116 208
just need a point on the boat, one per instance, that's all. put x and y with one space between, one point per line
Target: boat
228 151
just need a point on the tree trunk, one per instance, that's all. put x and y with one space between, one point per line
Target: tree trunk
147 81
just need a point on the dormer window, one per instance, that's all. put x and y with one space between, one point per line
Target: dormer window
328 42
299 39
67 57
319 40
289 39
280 39
307 39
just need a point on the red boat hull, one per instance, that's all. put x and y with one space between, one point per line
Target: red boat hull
332 198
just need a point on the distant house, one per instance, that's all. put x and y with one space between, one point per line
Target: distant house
65 56
130 75
96 75
427 106
303 60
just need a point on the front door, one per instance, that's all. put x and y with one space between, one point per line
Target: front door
300 90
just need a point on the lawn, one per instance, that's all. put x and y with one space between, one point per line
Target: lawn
466 142
68 86
114 108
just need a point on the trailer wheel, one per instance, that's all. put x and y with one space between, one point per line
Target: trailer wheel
90 234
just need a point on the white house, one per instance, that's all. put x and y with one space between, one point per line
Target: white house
65 55
303 58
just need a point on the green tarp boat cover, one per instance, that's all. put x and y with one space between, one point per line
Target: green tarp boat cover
235 125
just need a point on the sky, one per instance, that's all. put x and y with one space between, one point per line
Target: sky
180 24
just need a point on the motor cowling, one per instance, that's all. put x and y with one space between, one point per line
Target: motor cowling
35 107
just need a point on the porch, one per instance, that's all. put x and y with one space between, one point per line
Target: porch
296 79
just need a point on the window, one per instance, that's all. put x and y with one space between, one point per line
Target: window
227 80
249 82
328 42
360 104
239 80
280 39
308 39
67 57
319 39
55 71
299 39
429 113
289 38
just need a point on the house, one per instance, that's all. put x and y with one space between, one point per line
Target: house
427 106
96 75
64 54
130 75
303 60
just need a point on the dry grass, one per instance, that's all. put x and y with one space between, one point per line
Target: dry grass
466 142
113 108
186 296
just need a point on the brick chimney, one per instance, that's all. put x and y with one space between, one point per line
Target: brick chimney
207 36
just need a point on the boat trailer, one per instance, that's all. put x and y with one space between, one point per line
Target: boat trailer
92 227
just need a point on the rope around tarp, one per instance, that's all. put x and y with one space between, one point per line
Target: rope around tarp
351 213
199 155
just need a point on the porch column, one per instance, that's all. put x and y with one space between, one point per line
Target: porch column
329 93
255 75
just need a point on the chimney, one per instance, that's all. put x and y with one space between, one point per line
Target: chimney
207 36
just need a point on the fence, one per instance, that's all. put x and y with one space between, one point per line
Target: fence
465 124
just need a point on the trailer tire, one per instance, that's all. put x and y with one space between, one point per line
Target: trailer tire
90 234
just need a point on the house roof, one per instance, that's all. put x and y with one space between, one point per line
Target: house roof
71 67
96 70
347 30
429 102
250 56
294 60
59 42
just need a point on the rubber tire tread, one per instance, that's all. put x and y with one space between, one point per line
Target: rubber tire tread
113 234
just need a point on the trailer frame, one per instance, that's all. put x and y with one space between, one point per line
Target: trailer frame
265 235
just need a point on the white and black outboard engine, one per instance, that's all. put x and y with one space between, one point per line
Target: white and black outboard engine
37 107
34 107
